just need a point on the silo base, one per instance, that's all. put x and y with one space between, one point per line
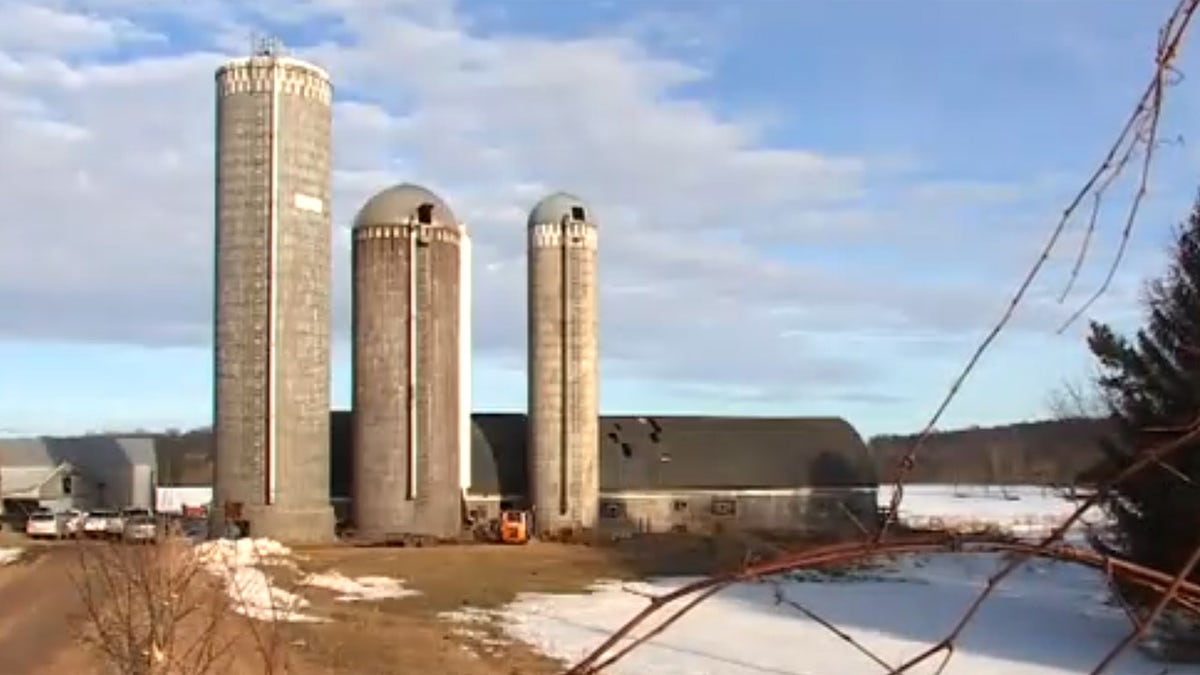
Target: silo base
292 525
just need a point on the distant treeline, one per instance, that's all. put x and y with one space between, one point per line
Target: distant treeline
1052 452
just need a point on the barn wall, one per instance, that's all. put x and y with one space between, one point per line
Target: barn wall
18 480
804 511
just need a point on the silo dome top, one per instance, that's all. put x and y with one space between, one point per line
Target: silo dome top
400 203
552 209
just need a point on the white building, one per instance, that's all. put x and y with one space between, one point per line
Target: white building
84 473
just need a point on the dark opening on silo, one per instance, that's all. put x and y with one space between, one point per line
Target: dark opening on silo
425 214
577 213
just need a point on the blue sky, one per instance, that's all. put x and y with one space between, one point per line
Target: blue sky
806 207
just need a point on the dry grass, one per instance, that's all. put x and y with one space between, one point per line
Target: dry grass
405 634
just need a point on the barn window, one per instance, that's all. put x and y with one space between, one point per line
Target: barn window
679 505
611 509
66 485
724 507
577 213
626 450
612 436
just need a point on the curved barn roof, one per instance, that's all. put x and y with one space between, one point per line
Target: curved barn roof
682 453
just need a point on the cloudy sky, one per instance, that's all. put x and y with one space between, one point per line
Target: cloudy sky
806 207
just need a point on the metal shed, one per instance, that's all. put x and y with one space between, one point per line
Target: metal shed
81 473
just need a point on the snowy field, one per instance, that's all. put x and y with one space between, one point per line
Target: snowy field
1049 618
1022 510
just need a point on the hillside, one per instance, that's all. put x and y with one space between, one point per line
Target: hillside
1044 452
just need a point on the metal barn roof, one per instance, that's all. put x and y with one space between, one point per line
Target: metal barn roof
81 452
678 453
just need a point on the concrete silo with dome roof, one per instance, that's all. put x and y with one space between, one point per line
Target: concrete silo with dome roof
411 279
272 296
563 366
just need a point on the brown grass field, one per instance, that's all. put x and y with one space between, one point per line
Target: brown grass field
404 635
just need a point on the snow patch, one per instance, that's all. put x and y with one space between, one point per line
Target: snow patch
1049 618
360 588
469 615
479 630
9 556
238 564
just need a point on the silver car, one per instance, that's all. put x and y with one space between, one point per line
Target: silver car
96 523
140 529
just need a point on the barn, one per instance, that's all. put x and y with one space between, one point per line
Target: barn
701 474
84 473
695 473
803 475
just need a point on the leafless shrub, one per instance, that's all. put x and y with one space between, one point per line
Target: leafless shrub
169 609
151 609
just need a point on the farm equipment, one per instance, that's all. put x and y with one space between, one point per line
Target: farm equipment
514 527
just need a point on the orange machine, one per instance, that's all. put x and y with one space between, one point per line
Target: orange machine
514 527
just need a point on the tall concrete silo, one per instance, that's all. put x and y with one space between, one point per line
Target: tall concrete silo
408 336
272 295
564 461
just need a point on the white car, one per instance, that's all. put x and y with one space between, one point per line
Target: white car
116 523
140 529
73 519
45 524
96 523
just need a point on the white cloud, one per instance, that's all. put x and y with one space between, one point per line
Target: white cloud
43 27
107 174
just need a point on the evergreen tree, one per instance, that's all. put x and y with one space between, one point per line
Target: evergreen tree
1151 386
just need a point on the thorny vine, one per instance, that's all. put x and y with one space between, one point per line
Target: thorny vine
1139 137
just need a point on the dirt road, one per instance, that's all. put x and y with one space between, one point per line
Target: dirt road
36 599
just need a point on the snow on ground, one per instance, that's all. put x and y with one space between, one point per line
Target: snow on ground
1022 510
360 588
239 564
1047 619
480 629
9 556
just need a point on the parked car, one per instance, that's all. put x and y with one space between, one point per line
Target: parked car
141 529
96 523
73 519
45 525
116 525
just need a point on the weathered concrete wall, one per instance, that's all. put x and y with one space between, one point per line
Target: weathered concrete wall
563 364
803 511
272 314
406 284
